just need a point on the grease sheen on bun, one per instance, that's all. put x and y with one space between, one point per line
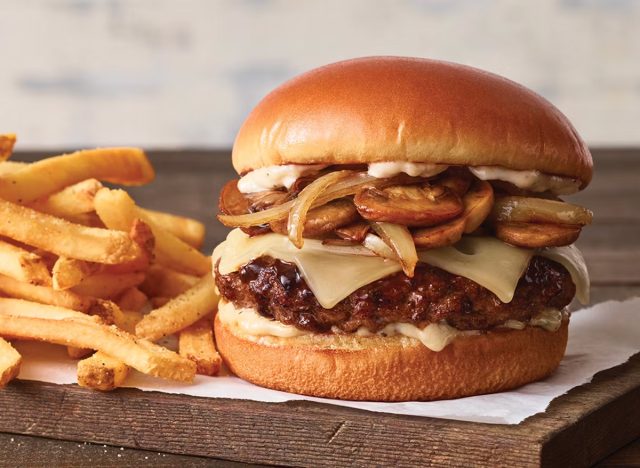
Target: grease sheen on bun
409 109
392 368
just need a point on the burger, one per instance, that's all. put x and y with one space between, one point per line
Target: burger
399 234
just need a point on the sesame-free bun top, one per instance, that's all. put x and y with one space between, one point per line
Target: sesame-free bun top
409 109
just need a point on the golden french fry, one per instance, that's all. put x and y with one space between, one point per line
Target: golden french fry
127 166
180 312
69 272
6 145
139 354
108 285
9 167
102 372
64 238
129 319
118 211
23 265
10 361
70 202
22 308
165 282
187 229
196 343
44 295
132 299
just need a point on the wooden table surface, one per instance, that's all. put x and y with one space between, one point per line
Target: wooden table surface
188 183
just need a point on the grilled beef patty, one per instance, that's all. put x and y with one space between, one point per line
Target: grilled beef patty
277 290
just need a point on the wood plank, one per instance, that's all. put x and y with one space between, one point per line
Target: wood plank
628 456
297 433
20 450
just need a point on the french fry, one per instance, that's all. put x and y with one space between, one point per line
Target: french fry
118 211
132 299
9 167
180 312
21 308
69 272
70 202
127 166
139 354
102 372
6 145
23 265
165 282
187 229
64 238
196 343
108 285
129 319
44 295
10 361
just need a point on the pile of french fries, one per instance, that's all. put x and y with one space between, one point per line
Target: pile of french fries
82 266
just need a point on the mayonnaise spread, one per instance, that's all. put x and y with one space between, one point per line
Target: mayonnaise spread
267 178
435 336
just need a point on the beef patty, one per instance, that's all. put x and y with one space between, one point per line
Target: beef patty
277 290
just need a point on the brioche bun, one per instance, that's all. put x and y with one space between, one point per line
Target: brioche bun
394 368
409 109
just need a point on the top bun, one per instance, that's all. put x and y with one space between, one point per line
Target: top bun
408 109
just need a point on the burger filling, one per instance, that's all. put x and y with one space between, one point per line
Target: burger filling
342 249
277 290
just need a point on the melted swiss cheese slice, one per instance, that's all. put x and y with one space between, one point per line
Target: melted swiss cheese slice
332 274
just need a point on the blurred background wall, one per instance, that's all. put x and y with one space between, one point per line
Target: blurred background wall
166 73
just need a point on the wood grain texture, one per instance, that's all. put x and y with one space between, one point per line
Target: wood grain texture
578 429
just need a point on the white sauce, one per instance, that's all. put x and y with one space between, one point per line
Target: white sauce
383 170
532 180
435 336
267 178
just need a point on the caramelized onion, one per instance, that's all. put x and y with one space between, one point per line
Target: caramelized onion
399 239
379 247
302 204
323 220
341 189
515 209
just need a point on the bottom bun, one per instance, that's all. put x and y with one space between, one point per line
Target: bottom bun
395 368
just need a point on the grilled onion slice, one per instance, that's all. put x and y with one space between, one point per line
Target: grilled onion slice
323 219
302 204
341 189
379 247
515 209
399 239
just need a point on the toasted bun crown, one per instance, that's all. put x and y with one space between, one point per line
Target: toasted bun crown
409 109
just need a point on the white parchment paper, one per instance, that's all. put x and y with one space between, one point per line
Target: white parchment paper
600 337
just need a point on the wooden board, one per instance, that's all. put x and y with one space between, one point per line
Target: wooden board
578 429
